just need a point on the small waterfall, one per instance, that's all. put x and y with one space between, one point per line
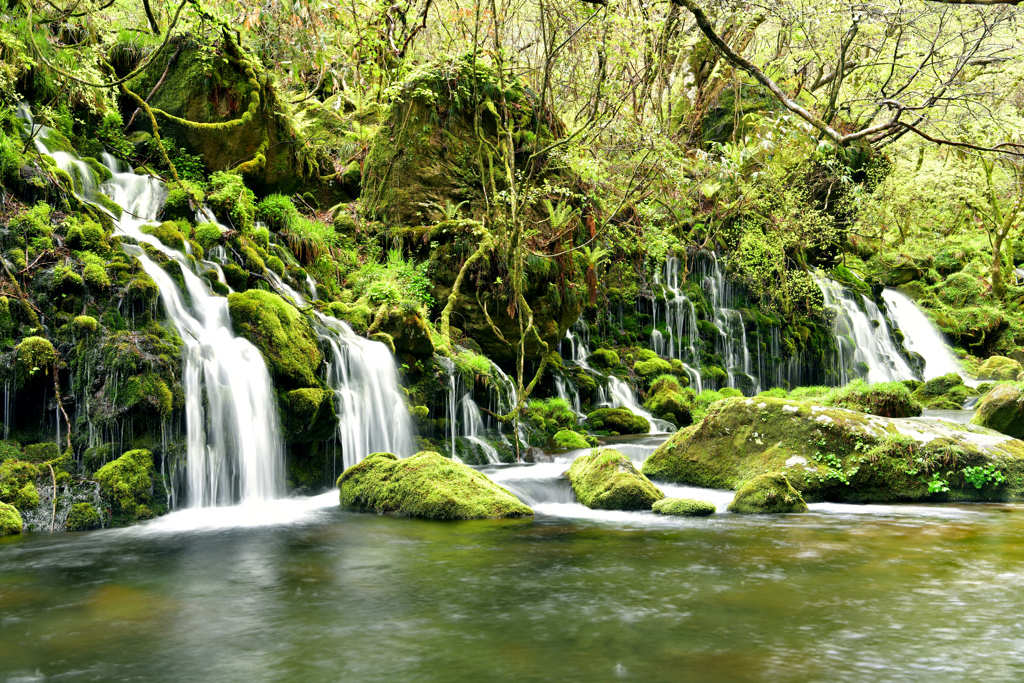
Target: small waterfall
372 415
732 340
681 323
568 393
234 452
920 335
863 337
464 418
622 396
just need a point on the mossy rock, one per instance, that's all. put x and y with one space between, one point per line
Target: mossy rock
83 517
767 494
425 485
17 484
84 325
1002 409
408 330
127 483
569 439
669 402
649 369
603 358
308 415
684 507
10 520
35 360
620 420
282 334
168 233
836 454
888 399
999 368
939 386
607 480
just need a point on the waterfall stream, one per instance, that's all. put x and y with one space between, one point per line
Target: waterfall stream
920 335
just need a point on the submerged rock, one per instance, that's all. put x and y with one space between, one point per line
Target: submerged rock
1002 409
10 520
425 485
607 480
836 454
684 507
767 493
619 420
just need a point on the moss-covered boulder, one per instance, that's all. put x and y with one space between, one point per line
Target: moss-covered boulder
10 520
947 392
127 483
618 420
425 485
308 415
648 369
835 454
767 494
35 360
684 507
603 358
607 480
888 399
569 439
667 400
999 368
17 484
82 517
1002 409
282 334
408 331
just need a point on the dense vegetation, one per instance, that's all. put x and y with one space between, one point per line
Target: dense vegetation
467 184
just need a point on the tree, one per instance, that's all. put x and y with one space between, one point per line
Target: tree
1000 212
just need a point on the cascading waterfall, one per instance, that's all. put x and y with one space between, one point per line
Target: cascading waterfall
464 418
732 339
681 323
621 395
920 336
862 337
372 416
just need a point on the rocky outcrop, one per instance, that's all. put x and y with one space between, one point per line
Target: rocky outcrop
607 480
425 485
836 454
1002 409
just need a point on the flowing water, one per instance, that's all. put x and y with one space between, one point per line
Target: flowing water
297 590
920 335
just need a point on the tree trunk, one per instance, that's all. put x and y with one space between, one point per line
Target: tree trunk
998 287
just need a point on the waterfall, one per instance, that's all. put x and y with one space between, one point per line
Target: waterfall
681 323
920 335
863 337
372 415
732 340
464 418
622 396
234 448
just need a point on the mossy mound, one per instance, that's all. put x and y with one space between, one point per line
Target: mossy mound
425 485
947 392
10 520
308 415
835 454
767 494
82 517
1000 368
127 483
888 399
1002 409
647 370
35 359
607 480
603 358
684 507
17 484
570 439
618 420
282 334
408 331
669 401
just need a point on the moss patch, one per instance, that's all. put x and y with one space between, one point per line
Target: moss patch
425 485
10 520
282 334
767 494
684 507
127 483
618 420
607 480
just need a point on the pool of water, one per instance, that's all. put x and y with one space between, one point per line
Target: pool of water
302 591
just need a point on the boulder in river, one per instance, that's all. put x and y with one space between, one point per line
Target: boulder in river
607 480
1000 368
767 494
425 485
1002 409
684 507
836 454
618 420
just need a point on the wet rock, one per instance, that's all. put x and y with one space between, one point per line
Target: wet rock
1002 409
767 494
607 480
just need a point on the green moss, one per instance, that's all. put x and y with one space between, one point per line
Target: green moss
570 439
282 334
147 390
127 483
649 369
308 415
35 359
619 420
230 198
84 325
888 399
604 358
767 494
276 265
277 211
82 517
1002 409
95 277
42 452
10 520
713 373
425 485
167 232
607 480
236 277
999 368
684 507
358 315
207 235
86 235
17 484
34 222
